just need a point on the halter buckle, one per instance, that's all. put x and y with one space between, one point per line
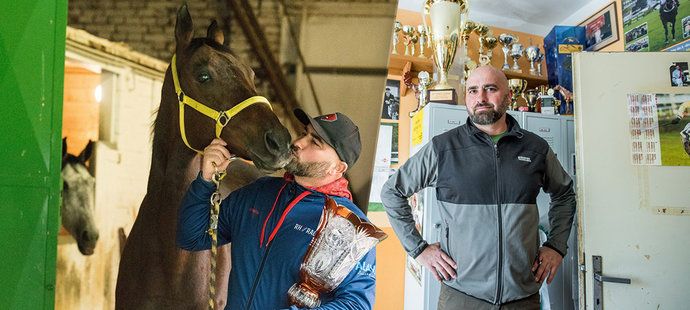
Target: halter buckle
180 96
223 119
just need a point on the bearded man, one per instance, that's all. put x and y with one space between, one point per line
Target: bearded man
272 221
487 174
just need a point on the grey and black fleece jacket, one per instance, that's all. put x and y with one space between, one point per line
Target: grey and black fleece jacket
487 197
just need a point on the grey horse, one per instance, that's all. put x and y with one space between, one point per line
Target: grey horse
78 198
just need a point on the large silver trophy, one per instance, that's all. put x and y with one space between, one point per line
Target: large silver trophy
341 240
444 32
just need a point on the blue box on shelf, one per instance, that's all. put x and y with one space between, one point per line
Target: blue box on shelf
559 44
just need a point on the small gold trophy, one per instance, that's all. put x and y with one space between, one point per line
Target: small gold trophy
488 42
396 28
407 31
531 95
414 38
517 87
423 38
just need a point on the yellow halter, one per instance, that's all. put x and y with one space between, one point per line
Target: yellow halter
222 118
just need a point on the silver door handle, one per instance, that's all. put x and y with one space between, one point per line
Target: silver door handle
600 278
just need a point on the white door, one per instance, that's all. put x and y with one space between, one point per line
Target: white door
634 217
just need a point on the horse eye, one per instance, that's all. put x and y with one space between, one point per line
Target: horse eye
203 77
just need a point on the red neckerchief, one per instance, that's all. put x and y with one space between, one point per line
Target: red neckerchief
335 188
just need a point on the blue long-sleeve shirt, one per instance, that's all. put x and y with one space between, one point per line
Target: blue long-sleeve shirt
244 214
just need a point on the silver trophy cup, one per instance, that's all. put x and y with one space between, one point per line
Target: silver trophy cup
516 52
506 41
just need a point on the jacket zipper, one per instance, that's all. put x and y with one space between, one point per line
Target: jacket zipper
258 276
500 228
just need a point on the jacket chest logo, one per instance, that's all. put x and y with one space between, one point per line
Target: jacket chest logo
524 158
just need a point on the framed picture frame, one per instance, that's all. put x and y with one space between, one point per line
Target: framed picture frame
391 100
601 29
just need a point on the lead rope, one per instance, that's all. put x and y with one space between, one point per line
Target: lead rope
213 231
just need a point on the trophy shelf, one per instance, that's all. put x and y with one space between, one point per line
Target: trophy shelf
398 62
532 80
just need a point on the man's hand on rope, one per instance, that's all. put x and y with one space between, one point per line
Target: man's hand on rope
215 157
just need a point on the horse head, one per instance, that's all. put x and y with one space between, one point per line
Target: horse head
213 76
78 198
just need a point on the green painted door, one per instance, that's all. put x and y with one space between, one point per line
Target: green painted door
32 58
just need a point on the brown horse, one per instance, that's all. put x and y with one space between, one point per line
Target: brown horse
154 273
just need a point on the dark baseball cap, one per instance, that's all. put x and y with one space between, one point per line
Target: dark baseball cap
338 131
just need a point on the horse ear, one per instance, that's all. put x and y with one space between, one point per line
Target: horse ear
87 152
214 33
184 29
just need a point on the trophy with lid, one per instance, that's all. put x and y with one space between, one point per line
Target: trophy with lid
444 33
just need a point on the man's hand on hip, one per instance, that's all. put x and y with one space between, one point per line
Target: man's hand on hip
215 156
438 262
546 264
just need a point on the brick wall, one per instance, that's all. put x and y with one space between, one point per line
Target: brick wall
149 26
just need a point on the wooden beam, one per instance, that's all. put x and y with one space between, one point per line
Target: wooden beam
244 14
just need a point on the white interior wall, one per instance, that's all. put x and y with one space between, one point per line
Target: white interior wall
585 11
121 168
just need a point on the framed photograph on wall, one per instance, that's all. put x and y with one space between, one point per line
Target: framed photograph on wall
601 29
656 25
391 100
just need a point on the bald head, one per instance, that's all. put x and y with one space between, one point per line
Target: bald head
487 73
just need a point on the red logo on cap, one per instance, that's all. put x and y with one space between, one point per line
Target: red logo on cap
330 117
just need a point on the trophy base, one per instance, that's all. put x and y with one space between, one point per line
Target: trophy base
303 297
448 96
